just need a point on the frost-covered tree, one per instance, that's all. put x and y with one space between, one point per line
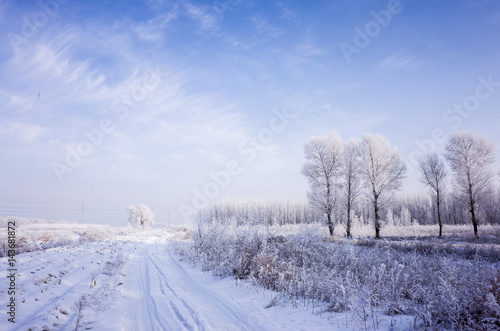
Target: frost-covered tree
323 163
350 179
382 170
405 217
140 217
470 157
389 218
357 222
433 174
491 207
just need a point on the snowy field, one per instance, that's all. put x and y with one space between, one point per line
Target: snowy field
133 282
82 277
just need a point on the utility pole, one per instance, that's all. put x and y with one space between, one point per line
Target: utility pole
168 223
83 209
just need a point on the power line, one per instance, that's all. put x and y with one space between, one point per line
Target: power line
75 212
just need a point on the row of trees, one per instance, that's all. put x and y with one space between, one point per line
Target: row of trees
421 209
339 173
402 210
260 212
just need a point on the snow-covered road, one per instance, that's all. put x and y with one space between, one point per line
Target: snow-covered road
161 295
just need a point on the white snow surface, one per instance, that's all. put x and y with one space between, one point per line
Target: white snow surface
150 290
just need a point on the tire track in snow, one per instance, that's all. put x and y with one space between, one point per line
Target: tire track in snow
148 316
146 286
179 317
185 304
198 293
163 280
162 285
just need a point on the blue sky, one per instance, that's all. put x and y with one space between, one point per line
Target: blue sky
155 96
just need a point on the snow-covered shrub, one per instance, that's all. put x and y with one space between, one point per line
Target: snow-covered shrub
114 265
80 305
42 236
24 221
225 253
441 289
141 217
95 233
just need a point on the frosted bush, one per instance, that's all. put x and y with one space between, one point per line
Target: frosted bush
114 265
440 289
141 217
42 236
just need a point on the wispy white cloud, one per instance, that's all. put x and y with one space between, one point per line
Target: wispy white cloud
287 13
263 27
51 69
203 14
77 92
399 61
308 48
153 29
23 132
17 102
212 132
441 50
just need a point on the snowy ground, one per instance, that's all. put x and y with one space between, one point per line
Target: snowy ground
135 283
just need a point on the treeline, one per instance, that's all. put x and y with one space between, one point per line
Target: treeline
344 174
401 211
355 182
422 210
260 212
